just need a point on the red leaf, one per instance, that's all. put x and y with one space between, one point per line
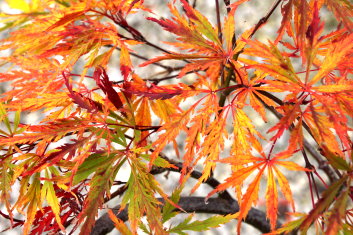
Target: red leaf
102 79
315 27
157 92
80 100
54 157
125 62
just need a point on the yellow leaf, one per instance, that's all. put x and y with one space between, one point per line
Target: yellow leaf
119 224
19 4
284 185
334 88
336 54
271 199
228 30
49 193
249 198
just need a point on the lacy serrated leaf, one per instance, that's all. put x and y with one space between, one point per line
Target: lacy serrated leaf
141 188
200 226
50 196
323 203
29 199
100 185
241 171
119 224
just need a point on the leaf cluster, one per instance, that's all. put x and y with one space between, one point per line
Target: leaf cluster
96 127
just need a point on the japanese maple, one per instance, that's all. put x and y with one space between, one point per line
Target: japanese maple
94 126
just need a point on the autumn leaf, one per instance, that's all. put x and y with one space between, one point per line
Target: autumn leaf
250 197
98 190
102 79
200 225
140 196
214 94
200 39
322 204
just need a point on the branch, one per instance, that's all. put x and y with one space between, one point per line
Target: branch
194 174
218 206
223 205
168 68
218 21
263 20
322 164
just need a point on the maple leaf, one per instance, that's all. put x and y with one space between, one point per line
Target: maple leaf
212 145
249 164
29 198
102 79
100 185
322 204
140 195
199 37
200 225
120 225
343 10
80 100
48 192
159 92
47 132
335 53
56 156
41 83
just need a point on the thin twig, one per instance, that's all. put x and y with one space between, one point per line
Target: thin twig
326 168
263 20
194 174
218 21
145 59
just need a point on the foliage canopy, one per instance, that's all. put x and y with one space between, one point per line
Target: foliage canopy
94 125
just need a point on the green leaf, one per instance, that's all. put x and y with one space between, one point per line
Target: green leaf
159 162
200 226
16 121
100 185
168 209
4 118
89 166
49 194
325 201
290 226
336 161
140 195
339 163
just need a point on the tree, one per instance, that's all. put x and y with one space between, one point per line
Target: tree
94 126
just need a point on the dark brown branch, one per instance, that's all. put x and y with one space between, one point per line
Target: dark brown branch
218 21
323 165
142 39
168 68
218 206
195 174
263 20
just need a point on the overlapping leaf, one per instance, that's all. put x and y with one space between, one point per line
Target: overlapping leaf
247 165
199 38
